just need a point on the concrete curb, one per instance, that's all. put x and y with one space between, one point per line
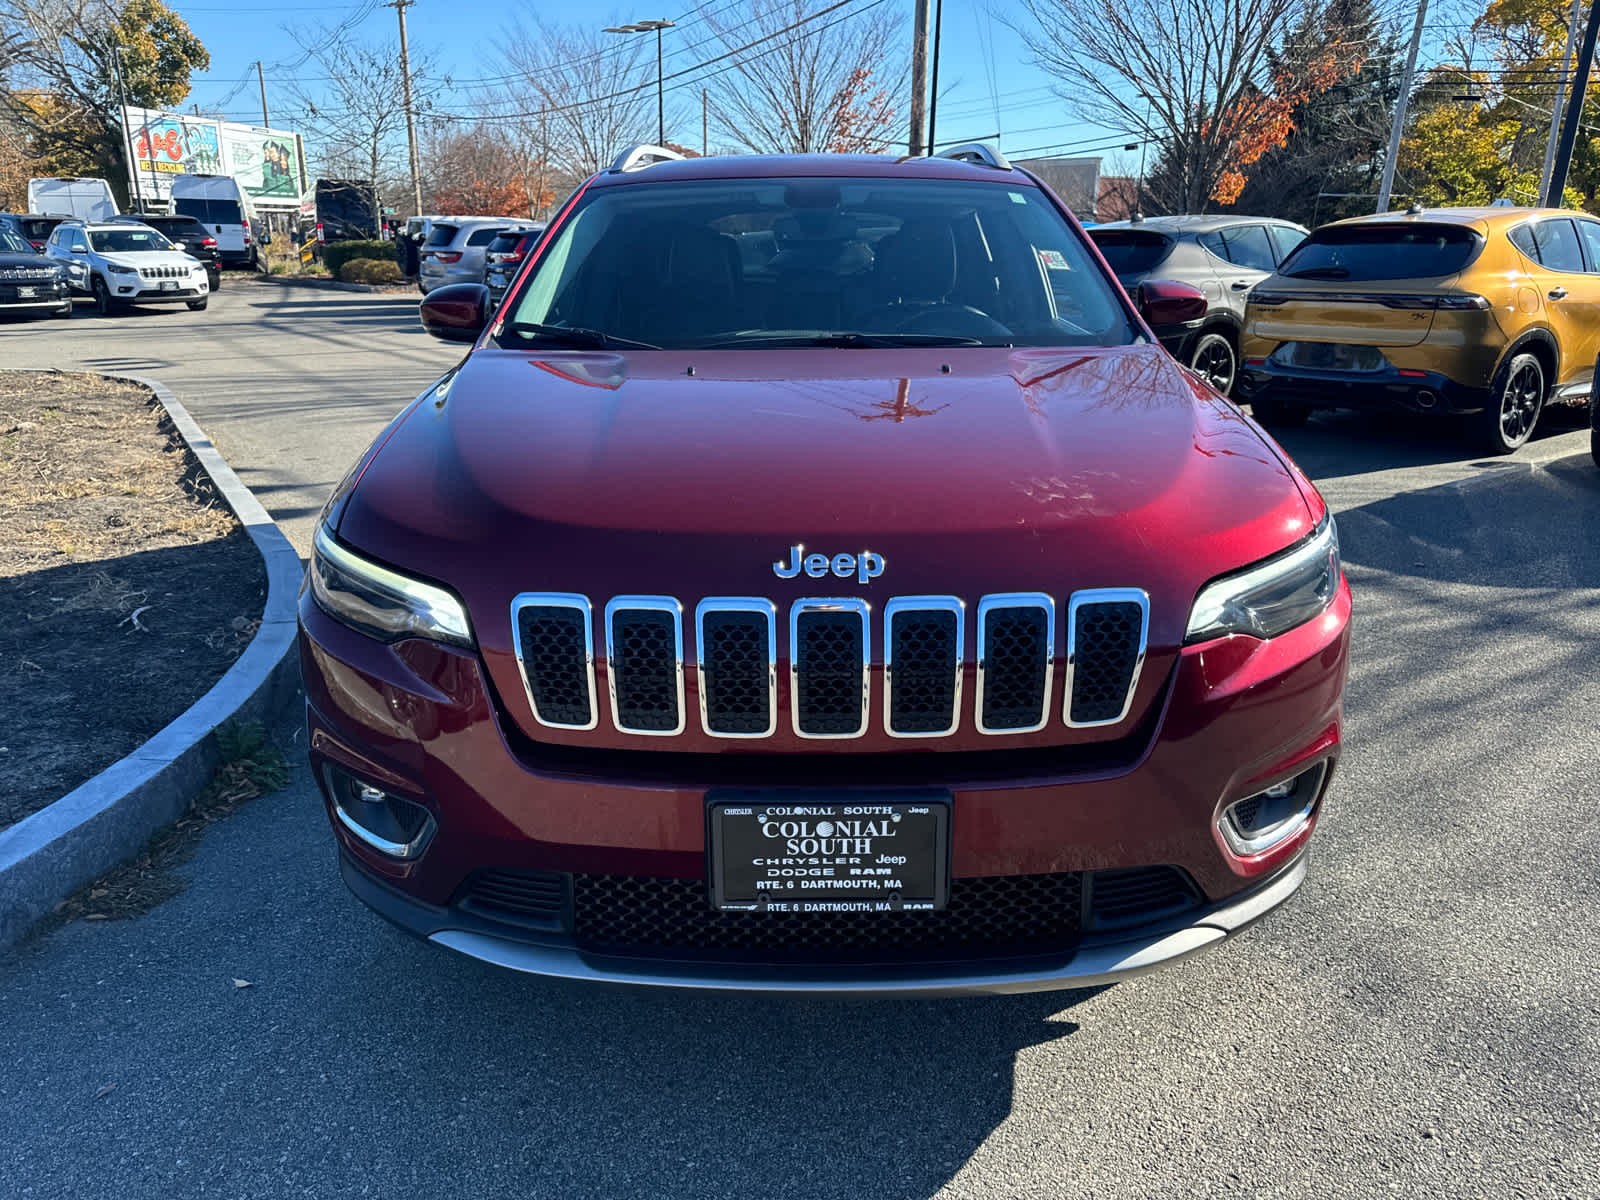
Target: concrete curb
47 856
336 285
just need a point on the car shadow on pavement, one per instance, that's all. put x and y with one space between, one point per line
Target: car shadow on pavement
1341 442
620 1091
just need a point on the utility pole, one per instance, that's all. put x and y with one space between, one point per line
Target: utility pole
1561 95
1569 129
262 80
400 7
127 126
919 77
933 92
705 123
1400 107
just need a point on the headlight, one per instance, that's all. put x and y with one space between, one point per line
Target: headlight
1274 596
381 602
119 269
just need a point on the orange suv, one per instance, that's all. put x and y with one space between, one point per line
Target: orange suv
1481 312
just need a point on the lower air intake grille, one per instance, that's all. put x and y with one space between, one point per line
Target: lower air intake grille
735 672
643 662
1107 646
1139 895
554 646
532 899
830 672
993 916
1014 658
924 653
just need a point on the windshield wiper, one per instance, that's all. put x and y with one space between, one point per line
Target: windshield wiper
1321 273
847 341
576 335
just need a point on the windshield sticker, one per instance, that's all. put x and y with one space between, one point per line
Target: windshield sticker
1017 197
1054 259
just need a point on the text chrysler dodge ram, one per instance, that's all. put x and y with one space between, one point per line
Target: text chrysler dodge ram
815 577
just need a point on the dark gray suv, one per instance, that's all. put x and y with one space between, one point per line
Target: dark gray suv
1223 256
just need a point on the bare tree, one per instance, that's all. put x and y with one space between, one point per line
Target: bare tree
576 97
360 119
1172 69
805 80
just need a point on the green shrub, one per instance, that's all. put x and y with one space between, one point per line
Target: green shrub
371 270
336 254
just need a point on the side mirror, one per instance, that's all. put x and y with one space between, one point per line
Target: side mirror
1168 302
79 248
456 312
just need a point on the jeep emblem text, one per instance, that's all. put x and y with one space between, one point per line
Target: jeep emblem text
865 566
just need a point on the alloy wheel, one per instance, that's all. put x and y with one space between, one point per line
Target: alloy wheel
1520 403
1214 361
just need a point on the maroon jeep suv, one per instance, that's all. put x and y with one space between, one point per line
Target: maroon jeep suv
815 577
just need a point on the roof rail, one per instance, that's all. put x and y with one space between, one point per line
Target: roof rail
977 152
642 155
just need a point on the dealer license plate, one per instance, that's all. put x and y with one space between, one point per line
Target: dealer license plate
169 285
829 851
1330 356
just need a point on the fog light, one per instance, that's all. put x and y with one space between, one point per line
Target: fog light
390 824
1272 815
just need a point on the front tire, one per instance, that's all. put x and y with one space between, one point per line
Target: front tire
103 303
197 305
1279 413
1215 360
1516 400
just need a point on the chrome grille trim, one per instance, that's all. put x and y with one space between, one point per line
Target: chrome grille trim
1000 601
1104 596
556 600
863 612
737 604
916 604
672 608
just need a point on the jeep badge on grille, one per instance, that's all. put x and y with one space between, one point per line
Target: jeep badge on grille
865 566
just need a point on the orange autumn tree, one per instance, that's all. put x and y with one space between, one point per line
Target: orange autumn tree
1260 121
476 171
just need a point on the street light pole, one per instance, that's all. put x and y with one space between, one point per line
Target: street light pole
657 24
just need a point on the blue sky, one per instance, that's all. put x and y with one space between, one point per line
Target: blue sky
986 83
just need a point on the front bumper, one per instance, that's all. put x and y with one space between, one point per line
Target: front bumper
1098 960
1416 391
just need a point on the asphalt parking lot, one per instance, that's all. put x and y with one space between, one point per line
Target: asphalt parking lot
1422 1020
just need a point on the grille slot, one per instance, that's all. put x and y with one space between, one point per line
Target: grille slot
1016 641
737 666
555 652
1138 895
829 649
922 646
531 899
994 916
1107 631
644 664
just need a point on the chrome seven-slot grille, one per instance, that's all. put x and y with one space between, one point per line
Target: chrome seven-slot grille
164 272
829 643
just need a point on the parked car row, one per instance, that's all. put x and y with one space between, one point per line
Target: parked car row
1484 314
456 249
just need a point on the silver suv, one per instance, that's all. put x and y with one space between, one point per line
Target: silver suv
1222 256
454 251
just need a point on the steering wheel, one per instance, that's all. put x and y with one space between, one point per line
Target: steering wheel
956 320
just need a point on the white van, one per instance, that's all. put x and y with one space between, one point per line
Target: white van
224 208
84 198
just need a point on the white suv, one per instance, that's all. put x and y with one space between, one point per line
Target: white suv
124 264
455 249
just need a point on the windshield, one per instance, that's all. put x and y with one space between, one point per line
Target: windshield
1412 250
212 212
729 264
130 240
1131 251
10 243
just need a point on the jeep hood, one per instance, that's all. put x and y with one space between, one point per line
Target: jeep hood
690 473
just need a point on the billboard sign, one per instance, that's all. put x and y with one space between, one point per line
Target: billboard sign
269 164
